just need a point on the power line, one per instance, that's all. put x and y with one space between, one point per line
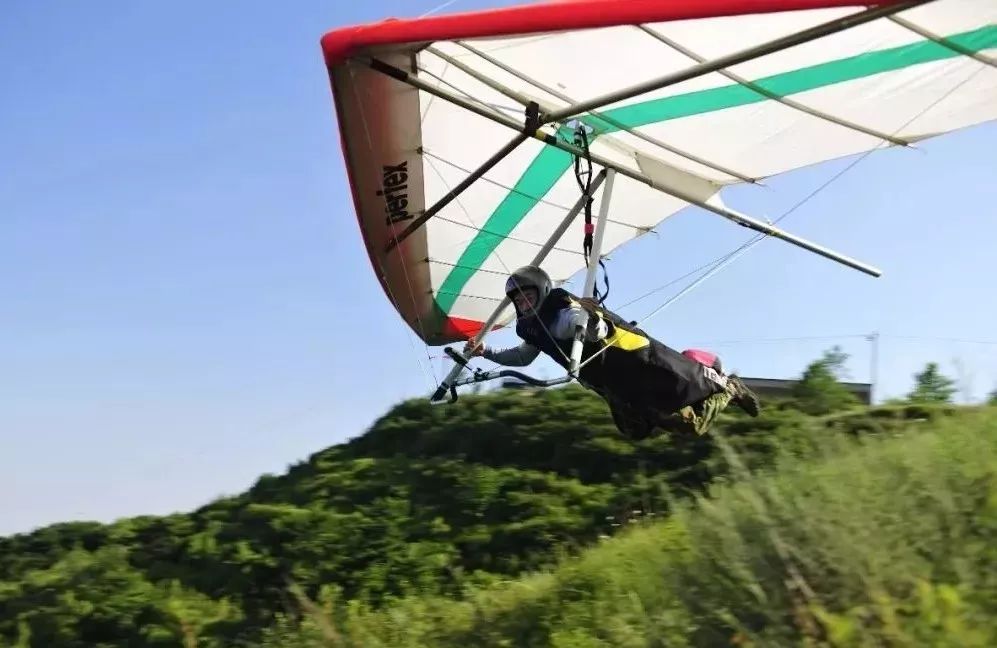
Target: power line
942 339
438 8
786 339
851 335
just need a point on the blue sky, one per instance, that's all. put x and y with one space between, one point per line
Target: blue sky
178 251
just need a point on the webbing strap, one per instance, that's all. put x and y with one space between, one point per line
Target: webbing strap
583 176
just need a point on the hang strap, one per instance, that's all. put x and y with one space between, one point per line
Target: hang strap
583 176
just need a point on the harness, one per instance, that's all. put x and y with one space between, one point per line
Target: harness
627 343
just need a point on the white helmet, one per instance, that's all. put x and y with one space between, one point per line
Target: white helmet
528 277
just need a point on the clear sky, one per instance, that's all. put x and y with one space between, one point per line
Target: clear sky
178 253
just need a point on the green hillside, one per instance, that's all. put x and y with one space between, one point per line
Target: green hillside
890 542
494 520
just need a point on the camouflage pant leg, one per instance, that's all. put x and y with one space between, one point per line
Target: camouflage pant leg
711 408
638 423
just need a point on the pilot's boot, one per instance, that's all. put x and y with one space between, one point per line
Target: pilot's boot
744 397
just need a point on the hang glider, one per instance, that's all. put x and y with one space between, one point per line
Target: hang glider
459 131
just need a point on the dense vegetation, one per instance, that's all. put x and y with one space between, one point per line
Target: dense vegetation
487 523
893 542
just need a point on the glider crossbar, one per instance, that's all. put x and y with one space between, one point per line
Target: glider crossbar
565 98
775 96
484 376
501 88
552 140
456 191
944 42
735 58
451 380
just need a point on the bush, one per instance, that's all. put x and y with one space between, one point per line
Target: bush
885 542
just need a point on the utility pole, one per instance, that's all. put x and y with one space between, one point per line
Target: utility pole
873 339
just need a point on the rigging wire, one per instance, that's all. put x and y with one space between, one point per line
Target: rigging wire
758 237
725 260
467 215
584 178
519 192
431 374
438 8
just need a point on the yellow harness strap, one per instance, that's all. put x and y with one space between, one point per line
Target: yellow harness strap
622 339
626 340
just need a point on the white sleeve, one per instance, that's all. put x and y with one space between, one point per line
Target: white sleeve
517 356
569 318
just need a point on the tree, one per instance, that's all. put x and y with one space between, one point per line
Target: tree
931 386
819 390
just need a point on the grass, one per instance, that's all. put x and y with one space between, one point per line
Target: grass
888 541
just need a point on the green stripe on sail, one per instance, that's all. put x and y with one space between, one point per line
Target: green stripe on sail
537 180
551 163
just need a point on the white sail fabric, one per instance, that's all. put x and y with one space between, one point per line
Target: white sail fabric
882 83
